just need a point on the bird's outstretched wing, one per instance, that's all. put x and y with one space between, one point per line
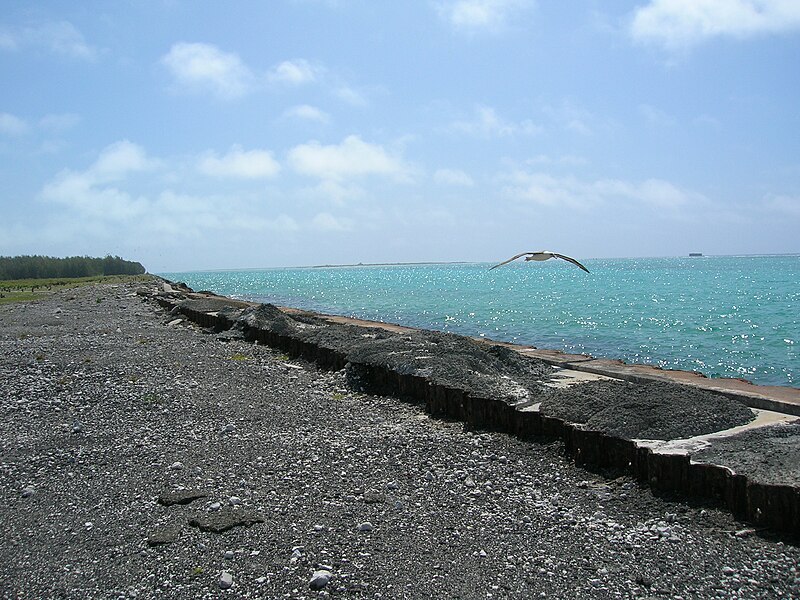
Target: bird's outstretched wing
545 254
572 260
520 255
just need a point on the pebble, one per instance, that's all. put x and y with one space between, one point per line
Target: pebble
320 579
234 501
225 580
228 555
215 506
366 526
27 492
176 466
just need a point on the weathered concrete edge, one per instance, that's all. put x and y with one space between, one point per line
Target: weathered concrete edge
781 399
765 505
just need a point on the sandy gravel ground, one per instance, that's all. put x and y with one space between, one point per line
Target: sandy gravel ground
108 415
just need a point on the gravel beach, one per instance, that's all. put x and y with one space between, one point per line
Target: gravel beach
143 457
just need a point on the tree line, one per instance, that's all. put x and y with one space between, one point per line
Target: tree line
45 267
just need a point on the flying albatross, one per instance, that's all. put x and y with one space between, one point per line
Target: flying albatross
541 255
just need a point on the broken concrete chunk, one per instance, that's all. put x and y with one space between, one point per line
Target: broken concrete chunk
181 497
221 521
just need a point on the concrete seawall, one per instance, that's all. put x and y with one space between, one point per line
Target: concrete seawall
764 498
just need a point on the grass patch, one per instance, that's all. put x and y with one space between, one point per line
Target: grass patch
152 400
240 356
9 297
27 290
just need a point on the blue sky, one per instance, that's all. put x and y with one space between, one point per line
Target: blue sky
207 135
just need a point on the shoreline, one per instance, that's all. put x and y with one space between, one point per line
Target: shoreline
675 461
778 398
146 455
667 336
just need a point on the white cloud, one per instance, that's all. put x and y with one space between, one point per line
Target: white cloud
352 158
546 190
564 160
350 96
12 125
90 192
59 37
240 164
656 116
8 40
82 193
119 160
114 199
294 72
60 122
64 38
486 123
336 192
327 222
782 204
574 118
677 24
205 67
454 177
307 112
481 15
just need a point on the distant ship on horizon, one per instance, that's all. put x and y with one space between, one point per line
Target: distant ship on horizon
695 254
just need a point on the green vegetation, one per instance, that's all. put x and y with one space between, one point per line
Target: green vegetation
240 356
152 400
25 290
8 297
43 267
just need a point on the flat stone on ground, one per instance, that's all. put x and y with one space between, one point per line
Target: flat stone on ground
181 497
221 521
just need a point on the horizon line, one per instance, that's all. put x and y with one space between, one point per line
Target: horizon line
465 262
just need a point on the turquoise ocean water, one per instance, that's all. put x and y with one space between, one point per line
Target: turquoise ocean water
722 316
